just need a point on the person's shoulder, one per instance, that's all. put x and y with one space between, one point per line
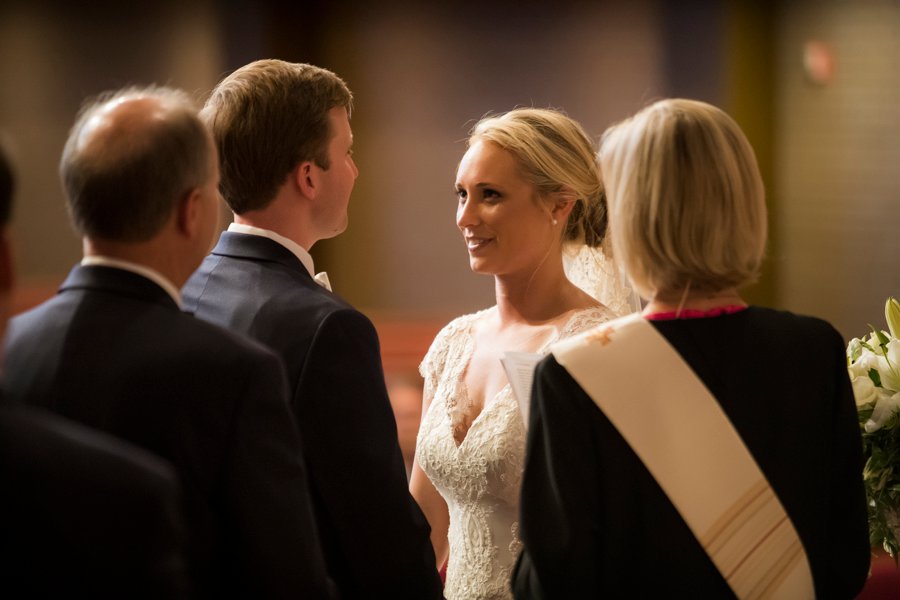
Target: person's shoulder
195 286
72 483
450 336
587 318
231 363
30 327
340 322
37 314
262 280
310 301
279 295
47 437
42 447
462 324
787 323
217 345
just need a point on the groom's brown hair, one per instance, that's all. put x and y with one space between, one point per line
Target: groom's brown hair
266 118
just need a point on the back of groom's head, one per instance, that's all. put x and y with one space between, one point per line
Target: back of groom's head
266 118
131 156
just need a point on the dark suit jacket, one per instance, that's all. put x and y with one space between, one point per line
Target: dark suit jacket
376 539
113 351
85 515
596 524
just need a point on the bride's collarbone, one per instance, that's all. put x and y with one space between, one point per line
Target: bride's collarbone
495 341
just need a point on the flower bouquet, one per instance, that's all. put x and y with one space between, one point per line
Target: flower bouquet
874 365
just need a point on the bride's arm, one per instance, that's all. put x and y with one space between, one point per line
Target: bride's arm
432 504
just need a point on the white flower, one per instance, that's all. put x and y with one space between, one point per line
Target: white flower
874 371
864 391
886 399
869 359
888 367
866 360
884 408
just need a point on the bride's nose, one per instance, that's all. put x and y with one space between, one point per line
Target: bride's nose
467 214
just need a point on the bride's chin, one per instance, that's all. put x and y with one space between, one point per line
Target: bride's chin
478 266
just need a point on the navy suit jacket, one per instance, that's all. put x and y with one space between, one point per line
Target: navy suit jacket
83 514
375 538
113 351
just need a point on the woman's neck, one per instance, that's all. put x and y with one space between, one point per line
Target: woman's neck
694 301
538 298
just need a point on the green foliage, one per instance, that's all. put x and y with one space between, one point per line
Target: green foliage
875 376
881 476
881 440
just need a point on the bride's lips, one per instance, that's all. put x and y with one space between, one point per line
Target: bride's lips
476 244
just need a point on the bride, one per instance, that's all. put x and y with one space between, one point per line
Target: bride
529 188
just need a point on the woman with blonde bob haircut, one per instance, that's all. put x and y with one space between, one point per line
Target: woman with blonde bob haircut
675 170
708 442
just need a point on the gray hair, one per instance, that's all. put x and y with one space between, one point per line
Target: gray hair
131 156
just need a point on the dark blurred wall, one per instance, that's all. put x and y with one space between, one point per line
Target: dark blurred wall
422 78
422 75
52 56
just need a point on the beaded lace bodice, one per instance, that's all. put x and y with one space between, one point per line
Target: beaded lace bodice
481 477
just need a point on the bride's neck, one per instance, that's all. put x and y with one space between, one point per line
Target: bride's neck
536 299
693 300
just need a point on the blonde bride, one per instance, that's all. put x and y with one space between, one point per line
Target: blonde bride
529 195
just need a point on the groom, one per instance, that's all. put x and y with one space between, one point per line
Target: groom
284 138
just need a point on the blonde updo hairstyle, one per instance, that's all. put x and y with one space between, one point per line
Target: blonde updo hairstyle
686 199
557 157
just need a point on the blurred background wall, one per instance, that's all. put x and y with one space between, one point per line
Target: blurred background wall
838 169
815 85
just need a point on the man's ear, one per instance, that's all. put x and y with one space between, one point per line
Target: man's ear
187 213
306 176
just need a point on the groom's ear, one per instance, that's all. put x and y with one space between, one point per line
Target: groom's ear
306 178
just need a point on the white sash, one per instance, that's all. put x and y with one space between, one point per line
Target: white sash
680 433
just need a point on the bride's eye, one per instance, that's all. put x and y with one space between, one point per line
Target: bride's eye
461 194
490 195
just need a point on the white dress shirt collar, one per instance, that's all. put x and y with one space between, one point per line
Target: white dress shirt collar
295 248
151 274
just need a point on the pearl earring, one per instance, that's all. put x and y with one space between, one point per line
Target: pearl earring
555 222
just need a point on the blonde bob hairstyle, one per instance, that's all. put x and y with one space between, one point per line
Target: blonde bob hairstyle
558 158
687 202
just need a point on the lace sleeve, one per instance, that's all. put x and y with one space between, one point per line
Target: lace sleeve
435 360
430 365
586 319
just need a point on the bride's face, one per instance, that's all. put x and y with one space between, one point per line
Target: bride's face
506 227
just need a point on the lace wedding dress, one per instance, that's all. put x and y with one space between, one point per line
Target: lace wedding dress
480 478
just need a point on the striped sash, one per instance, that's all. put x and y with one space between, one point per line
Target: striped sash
686 441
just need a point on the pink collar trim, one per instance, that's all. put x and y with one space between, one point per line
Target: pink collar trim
689 313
